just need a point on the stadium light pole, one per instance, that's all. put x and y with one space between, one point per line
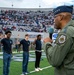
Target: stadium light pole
39 6
12 5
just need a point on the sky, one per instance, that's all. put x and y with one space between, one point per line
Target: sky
35 3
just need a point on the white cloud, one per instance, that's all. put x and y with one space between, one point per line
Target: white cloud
34 3
8 3
13 0
54 3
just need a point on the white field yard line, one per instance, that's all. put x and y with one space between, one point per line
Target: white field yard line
20 52
42 69
29 51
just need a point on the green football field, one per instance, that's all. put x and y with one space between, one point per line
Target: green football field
16 68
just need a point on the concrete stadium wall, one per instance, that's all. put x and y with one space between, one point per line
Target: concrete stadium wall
16 34
28 9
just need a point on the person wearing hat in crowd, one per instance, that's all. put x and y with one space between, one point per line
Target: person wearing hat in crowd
60 54
7 52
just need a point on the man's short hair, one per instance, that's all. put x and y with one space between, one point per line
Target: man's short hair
26 35
38 35
7 32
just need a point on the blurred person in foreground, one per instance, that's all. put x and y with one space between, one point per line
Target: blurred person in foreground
61 53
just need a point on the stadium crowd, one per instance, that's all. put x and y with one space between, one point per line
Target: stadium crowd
30 21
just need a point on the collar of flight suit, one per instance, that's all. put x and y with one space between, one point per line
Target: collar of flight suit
70 23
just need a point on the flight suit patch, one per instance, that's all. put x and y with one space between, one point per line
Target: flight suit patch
62 39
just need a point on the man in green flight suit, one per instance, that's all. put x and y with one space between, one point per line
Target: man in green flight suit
60 54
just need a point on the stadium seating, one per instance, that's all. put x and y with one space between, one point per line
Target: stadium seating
29 21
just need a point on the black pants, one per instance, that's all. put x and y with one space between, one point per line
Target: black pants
38 57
